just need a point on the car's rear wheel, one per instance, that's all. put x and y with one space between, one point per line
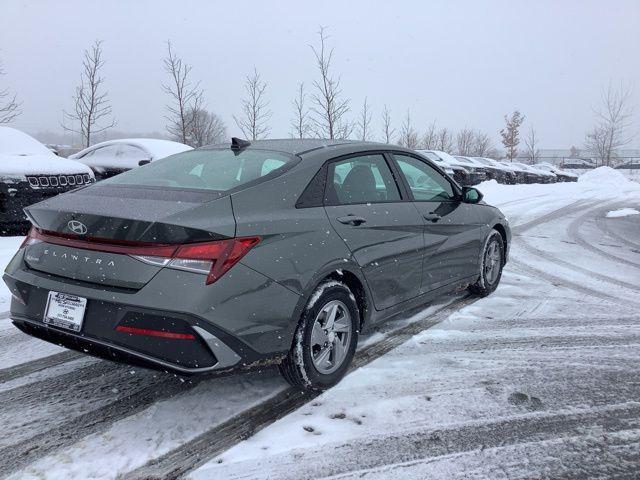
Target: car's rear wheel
491 263
325 340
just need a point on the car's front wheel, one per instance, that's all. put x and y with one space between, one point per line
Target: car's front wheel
325 340
491 263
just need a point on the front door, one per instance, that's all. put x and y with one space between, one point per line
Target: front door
452 231
382 230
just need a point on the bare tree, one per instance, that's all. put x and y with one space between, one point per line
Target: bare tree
531 141
613 120
387 130
465 140
429 139
408 135
482 145
444 140
300 127
9 106
254 121
574 151
329 107
511 134
186 97
205 128
91 104
364 122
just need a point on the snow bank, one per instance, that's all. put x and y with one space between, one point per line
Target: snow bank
605 176
623 212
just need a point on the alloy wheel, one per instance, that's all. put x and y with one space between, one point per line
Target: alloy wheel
330 337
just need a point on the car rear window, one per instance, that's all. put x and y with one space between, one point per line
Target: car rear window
217 170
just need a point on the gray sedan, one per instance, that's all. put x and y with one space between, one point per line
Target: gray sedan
249 254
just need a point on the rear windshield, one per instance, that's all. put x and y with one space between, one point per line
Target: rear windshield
218 170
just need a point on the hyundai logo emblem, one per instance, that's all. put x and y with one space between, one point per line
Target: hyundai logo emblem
77 227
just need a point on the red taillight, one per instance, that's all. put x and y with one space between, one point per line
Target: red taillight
155 333
222 254
211 258
30 239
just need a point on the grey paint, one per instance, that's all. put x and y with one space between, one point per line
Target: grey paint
400 259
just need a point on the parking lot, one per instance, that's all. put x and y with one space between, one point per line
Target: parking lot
537 379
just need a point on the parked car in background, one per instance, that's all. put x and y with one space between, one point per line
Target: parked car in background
29 173
251 254
461 174
501 173
630 165
535 175
110 158
491 172
561 175
522 174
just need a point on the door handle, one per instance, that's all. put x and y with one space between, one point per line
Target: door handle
352 220
432 217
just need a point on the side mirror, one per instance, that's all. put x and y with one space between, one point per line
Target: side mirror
144 162
471 195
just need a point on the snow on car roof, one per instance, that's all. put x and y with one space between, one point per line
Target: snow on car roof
157 148
15 142
21 155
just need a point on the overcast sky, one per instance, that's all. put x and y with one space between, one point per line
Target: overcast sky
462 63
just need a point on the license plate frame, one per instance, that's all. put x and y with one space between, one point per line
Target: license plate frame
66 311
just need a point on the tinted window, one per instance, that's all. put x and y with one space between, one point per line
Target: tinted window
425 182
218 170
362 179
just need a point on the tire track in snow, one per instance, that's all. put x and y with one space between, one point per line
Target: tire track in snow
86 383
27 368
193 454
427 442
554 279
576 268
574 234
601 222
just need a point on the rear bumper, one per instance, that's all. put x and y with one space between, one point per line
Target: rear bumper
226 358
242 320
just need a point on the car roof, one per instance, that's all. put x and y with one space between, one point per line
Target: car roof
156 147
301 146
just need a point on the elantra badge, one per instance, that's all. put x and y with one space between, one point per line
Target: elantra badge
77 227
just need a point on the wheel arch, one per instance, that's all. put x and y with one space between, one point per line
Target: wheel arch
503 233
352 277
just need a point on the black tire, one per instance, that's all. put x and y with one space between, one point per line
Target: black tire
484 286
298 368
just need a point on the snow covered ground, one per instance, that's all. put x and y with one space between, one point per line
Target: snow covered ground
537 380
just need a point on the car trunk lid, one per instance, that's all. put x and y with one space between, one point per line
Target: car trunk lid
101 234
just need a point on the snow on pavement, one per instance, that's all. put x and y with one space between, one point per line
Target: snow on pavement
538 379
623 212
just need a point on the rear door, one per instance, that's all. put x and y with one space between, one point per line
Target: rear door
452 229
381 228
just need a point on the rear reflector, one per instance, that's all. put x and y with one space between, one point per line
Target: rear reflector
155 333
213 259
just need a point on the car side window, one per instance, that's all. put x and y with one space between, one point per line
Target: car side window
129 151
361 179
425 182
107 151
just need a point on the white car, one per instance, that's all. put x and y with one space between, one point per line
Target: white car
110 158
29 173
